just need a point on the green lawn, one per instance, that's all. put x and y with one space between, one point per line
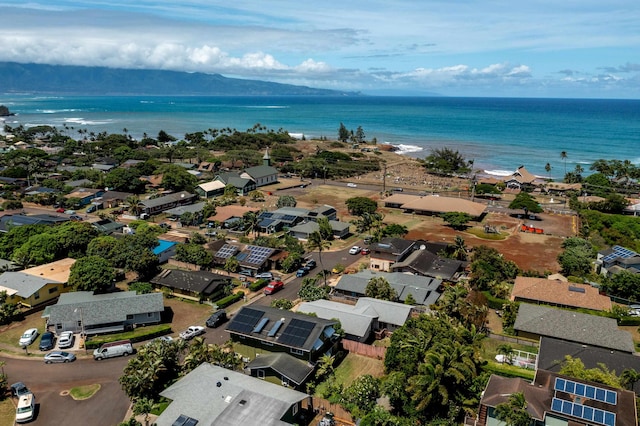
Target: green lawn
7 412
354 366
11 335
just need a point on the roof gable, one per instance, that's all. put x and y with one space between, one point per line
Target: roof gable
560 293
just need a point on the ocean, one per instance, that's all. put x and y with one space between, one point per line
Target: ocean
498 134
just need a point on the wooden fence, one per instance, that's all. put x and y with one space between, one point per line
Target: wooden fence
352 346
341 416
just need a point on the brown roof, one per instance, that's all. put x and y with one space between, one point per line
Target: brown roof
399 198
562 186
557 292
500 388
226 212
522 175
57 271
437 204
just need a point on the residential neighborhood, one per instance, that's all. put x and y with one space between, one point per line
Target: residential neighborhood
254 289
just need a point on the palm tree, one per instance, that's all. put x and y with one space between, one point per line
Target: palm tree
316 242
547 168
563 156
514 412
628 378
252 222
143 406
459 248
507 351
325 365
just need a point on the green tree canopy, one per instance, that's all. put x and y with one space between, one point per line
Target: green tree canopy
194 253
359 205
525 202
445 161
577 257
457 220
92 273
379 288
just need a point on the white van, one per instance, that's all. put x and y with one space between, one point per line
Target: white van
26 408
109 350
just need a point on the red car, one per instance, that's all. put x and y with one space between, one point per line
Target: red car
273 287
365 251
60 210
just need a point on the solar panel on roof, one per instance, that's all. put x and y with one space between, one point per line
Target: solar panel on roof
261 325
275 328
296 332
587 391
618 252
245 320
584 412
226 251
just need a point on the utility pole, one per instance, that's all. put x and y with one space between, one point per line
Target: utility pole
384 177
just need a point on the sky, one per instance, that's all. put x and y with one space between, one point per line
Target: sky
505 48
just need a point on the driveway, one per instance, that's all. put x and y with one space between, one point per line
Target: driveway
50 384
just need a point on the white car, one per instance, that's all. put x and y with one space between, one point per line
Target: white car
191 332
29 337
65 340
355 250
352 185
26 408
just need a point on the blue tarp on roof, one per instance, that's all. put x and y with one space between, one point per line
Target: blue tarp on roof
163 246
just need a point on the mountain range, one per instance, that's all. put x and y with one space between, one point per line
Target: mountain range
80 80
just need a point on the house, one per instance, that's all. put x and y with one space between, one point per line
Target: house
291 372
39 285
195 285
211 395
521 178
224 213
359 321
617 259
552 353
325 210
302 231
536 321
84 195
165 250
10 220
426 263
388 251
176 212
284 217
264 174
211 189
553 399
111 199
104 168
83 311
276 330
161 204
108 226
252 259
559 293
435 205
243 185
79 183
424 290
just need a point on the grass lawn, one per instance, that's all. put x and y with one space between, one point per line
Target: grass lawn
84 392
354 366
7 412
10 334
490 348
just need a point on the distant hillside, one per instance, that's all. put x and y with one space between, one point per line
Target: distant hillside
76 80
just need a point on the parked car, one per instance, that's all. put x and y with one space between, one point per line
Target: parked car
352 185
273 287
310 264
60 210
92 208
26 408
397 190
59 356
216 318
302 272
66 340
365 251
246 272
634 310
47 341
265 276
355 250
18 389
163 339
191 332
113 349
75 218
28 337
69 212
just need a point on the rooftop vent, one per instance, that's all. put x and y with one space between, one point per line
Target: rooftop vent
226 378
242 401
218 384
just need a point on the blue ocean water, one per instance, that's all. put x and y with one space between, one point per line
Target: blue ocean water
499 134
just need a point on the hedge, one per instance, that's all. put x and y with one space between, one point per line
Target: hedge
259 284
506 370
139 334
229 300
494 302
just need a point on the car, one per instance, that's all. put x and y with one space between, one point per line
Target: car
65 340
92 208
355 250
69 212
191 332
165 225
75 218
246 272
59 356
18 389
264 276
302 272
217 318
28 337
310 264
26 408
634 310
398 189
60 210
273 287
161 339
117 211
365 251
47 341
352 185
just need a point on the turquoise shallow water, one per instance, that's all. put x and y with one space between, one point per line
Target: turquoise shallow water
499 134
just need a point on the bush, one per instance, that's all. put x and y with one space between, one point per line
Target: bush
137 335
494 302
229 300
259 284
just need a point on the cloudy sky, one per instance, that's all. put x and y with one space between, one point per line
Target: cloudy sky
533 48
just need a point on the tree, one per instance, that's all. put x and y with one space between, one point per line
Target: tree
459 249
514 412
177 178
141 287
445 161
231 265
394 230
251 222
379 288
359 205
457 220
194 253
286 201
368 221
563 156
92 273
547 168
576 259
359 136
316 242
143 406
362 393
325 229
325 365
628 378
343 133
309 290
284 304
7 310
525 202
574 367
506 351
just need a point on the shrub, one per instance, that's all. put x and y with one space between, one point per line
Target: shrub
229 300
257 285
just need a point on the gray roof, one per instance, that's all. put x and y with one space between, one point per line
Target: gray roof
392 245
103 308
423 289
426 263
196 281
160 201
198 396
191 208
23 283
261 171
388 312
573 326
284 364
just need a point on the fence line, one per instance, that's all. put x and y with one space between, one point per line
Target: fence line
352 346
341 416
514 339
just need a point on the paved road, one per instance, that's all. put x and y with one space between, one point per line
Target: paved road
49 382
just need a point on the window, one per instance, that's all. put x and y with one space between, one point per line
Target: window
149 314
53 290
129 316
36 295
260 374
297 351
79 323
268 343
294 410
